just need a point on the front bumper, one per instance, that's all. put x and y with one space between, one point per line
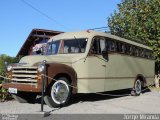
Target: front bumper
23 87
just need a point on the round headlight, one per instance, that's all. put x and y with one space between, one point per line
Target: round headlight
9 68
40 68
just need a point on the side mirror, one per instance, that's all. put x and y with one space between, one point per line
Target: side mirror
105 55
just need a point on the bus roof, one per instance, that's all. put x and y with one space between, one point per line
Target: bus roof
91 34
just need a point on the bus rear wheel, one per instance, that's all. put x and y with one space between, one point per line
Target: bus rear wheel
137 89
59 93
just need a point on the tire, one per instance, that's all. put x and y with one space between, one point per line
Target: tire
137 89
58 94
24 97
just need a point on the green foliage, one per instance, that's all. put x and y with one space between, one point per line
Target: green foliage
138 20
4 58
4 95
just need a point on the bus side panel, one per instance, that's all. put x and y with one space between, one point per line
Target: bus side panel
90 74
118 83
90 85
122 70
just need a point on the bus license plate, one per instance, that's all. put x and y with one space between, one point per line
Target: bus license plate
12 90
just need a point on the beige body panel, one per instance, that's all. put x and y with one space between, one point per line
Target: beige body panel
120 65
90 74
120 72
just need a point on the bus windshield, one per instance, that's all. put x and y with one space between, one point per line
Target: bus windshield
52 47
68 46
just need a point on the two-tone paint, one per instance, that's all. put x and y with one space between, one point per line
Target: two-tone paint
89 73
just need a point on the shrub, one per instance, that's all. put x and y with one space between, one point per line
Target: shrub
4 95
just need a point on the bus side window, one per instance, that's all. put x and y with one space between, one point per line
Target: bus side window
136 51
128 49
102 45
118 48
152 55
133 50
142 52
147 54
111 45
121 47
98 46
95 48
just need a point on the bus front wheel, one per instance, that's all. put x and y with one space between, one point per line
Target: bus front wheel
59 93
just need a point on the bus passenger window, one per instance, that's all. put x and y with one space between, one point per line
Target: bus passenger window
143 53
98 46
136 51
123 48
140 52
151 55
131 50
95 47
111 45
128 49
147 54
102 45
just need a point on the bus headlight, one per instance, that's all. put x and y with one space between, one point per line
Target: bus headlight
40 68
9 68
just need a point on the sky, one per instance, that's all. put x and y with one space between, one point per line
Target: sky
19 17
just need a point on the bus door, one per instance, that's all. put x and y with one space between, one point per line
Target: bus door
97 65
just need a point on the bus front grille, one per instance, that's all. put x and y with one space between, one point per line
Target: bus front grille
24 74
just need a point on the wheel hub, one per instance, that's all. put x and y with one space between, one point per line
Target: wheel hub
60 92
138 87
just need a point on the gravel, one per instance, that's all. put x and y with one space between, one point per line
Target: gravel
148 102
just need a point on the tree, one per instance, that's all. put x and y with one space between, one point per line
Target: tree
138 20
4 58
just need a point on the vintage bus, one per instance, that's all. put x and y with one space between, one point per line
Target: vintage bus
82 62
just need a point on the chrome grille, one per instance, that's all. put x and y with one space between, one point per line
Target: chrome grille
24 74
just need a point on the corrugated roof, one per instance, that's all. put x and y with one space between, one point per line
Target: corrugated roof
34 35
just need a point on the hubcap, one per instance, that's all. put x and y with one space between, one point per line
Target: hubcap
60 92
138 87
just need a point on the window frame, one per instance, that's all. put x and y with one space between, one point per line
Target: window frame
129 49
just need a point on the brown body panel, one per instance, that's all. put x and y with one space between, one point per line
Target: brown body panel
55 70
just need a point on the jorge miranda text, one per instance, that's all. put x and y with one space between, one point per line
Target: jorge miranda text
141 116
